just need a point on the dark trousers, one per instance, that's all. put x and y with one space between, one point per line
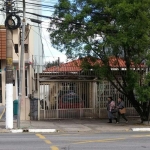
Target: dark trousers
122 115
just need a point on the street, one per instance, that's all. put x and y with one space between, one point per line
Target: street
76 141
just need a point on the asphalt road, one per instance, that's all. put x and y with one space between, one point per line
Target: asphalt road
76 141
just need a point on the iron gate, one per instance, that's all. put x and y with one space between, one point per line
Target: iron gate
76 99
68 99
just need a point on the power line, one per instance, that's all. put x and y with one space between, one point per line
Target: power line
45 40
38 9
38 15
41 5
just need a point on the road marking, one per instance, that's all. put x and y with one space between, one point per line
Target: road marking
66 135
54 148
140 135
48 141
40 136
108 140
103 140
2 113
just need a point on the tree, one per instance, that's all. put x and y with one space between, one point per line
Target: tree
104 29
51 64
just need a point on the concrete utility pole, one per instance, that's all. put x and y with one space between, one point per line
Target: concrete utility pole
21 66
9 74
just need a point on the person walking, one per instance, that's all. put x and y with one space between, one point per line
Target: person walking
121 110
110 108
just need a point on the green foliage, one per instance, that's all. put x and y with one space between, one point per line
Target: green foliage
101 28
50 64
143 91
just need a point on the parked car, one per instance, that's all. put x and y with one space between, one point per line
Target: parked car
70 100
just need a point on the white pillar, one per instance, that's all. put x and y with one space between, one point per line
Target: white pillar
9 106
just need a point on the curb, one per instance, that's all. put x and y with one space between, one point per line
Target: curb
16 131
42 130
4 131
140 129
33 130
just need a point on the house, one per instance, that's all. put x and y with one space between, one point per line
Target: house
70 77
28 72
33 56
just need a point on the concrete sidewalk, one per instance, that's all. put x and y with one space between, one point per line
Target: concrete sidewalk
77 125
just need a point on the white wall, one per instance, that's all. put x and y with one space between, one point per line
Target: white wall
38 52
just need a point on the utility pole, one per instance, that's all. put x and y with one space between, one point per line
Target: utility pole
21 66
9 72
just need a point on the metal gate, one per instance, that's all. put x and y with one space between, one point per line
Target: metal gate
76 99
68 99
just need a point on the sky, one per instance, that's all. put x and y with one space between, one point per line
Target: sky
50 52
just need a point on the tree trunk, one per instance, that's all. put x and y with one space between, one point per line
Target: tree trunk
138 107
145 109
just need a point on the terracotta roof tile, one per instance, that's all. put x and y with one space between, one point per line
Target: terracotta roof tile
75 65
2 43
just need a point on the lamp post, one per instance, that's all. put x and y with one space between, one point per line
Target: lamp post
21 66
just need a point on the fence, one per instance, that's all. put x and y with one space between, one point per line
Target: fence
77 99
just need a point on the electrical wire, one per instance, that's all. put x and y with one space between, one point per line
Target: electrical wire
43 54
12 18
45 40
38 7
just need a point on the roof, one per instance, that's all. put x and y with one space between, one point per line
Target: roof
75 65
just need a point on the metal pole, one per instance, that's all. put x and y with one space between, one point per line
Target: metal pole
38 84
21 66
9 73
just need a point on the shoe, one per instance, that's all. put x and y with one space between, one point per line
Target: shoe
117 122
126 121
110 121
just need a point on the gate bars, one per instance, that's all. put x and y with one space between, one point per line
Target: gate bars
76 99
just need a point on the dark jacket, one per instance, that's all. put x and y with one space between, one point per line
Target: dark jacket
121 105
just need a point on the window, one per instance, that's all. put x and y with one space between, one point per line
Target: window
26 48
26 82
16 48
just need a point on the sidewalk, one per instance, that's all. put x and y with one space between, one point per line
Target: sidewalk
77 125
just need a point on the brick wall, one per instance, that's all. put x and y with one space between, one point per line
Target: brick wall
2 43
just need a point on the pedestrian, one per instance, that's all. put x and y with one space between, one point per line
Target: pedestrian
121 110
110 108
